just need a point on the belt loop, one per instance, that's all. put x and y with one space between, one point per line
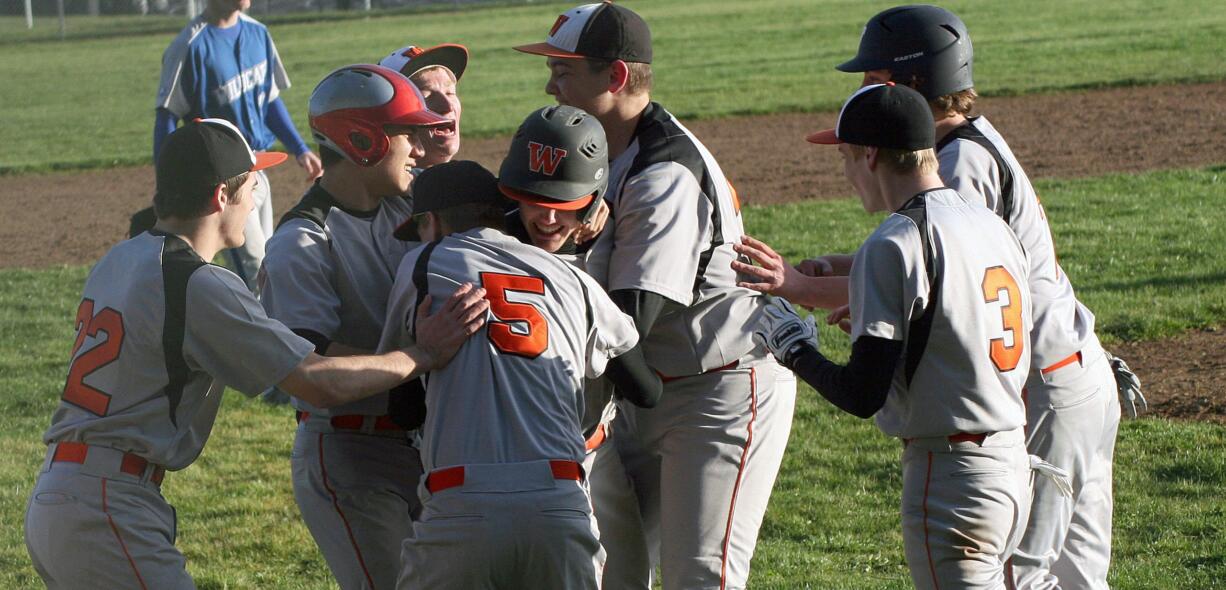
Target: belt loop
368 424
47 460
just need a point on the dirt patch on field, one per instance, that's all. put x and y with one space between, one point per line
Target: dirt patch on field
73 218
1181 377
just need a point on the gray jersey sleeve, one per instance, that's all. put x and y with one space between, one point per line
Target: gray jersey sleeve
889 282
296 279
228 336
172 96
280 78
662 226
969 169
612 332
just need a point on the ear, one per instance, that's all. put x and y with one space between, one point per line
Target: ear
619 76
870 154
220 200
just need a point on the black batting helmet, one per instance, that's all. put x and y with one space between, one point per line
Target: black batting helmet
926 43
559 158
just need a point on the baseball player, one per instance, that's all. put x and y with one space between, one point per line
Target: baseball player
436 72
1070 393
330 267
938 295
223 64
703 461
160 334
504 503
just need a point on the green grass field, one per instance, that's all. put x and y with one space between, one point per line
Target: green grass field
88 102
833 521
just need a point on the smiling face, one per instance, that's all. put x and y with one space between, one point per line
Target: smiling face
573 82
438 86
548 228
394 173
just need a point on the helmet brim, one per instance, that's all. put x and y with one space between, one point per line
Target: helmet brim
534 199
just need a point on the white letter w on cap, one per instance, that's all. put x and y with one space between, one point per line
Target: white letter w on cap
544 158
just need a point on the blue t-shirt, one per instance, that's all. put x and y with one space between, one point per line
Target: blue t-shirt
230 73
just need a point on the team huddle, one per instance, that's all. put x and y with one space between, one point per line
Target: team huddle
579 372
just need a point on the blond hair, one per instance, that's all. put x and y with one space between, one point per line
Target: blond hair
921 162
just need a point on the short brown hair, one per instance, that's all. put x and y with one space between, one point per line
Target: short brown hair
958 103
923 162
638 80
181 206
469 215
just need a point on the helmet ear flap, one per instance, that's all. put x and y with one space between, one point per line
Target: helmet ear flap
366 144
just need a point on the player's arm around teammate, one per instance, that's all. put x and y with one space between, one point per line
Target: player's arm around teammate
160 334
330 268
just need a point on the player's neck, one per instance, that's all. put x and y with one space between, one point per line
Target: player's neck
202 235
347 186
897 189
221 20
619 124
948 124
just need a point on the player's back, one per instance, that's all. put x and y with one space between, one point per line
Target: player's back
150 331
977 162
513 392
966 354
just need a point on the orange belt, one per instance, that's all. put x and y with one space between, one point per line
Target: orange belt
593 442
75 452
451 477
1070 359
356 421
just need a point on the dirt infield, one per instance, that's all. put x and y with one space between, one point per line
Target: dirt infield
72 218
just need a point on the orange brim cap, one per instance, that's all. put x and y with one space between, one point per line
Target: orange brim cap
533 199
824 137
546 50
268 160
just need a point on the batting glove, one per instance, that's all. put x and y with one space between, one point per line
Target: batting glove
783 331
1129 387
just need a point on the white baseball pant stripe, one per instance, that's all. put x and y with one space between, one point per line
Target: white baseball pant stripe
1073 417
964 507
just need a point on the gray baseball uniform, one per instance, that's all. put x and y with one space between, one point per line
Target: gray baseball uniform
948 278
1070 393
160 334
702 468
327 276
503 502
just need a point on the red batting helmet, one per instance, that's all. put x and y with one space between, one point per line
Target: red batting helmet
351 106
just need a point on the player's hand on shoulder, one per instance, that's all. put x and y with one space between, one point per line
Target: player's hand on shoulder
593 226
784 332
311 163
1129 387
442 333
772 275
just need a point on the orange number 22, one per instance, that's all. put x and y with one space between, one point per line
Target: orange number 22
76 391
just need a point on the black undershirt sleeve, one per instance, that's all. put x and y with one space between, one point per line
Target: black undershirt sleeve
860 387
642 306
633 378
320 341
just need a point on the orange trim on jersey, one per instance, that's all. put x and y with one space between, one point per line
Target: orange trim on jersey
1010 583
1070 359
122 545
927 545
593 442
336 504
740 470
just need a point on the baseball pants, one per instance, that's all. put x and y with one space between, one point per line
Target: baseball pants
1073 417
689 460
511 525
90 525
964 508
245 260
356 492
616 507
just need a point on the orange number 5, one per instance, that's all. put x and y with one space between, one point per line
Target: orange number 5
995 280
530 344
76 391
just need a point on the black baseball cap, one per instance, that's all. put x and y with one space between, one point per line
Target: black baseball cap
884 116
458 182
205 153
599 31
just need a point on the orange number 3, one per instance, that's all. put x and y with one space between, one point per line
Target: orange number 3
995 280
76 391
530 344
